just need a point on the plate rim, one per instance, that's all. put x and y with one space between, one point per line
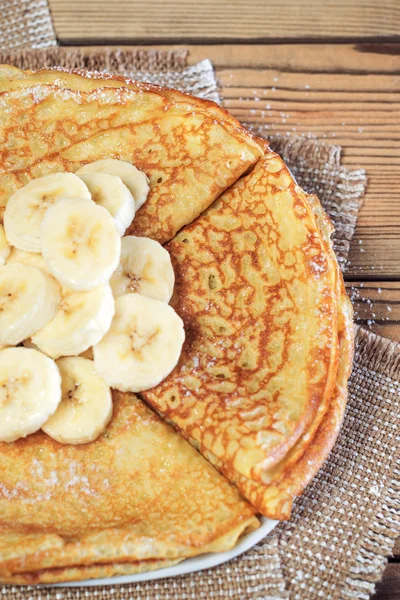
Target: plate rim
187 566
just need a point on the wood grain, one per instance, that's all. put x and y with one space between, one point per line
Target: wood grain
377 306
228 20
362 58
389 587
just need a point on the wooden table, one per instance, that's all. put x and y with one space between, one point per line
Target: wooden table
326 69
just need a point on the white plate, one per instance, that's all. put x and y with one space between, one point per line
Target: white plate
190 565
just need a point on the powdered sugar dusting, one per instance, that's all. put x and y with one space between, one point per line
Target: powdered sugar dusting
41 485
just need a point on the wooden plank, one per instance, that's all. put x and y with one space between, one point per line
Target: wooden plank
389 587
342 58
229 20
377 307
304 58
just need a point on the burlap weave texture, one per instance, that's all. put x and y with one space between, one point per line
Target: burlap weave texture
26 24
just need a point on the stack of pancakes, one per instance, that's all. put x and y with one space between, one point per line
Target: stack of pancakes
255 404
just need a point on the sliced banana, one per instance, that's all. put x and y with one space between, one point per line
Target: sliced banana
81 321
30 391
4 247
110 192
145 267
135 180
29 299
28 205
27 258
142 346
34 260
80 244
86 406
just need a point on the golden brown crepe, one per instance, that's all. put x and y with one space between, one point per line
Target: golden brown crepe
260 388
256 288
129 496
79 573
202 408
190 152
290 477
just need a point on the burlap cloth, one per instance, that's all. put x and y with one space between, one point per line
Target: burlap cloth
344 525
26 24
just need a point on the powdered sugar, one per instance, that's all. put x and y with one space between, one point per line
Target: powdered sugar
41 485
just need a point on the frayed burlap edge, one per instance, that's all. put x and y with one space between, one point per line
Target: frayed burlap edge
113 60
383 356
378 544
168 68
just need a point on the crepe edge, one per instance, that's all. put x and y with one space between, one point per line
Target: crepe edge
47 560
8 72
81 573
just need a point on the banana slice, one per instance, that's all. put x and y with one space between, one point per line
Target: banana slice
81 321
29 299
145 267
32 259
86 406
28 205
80 244
4 247
110 192
29 344
135 180
142 346
30 391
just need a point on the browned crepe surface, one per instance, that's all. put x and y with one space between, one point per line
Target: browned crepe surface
257 389
259 290
190 148
128 496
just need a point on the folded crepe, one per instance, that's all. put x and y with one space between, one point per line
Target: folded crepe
261 385
138 493
260 293
82 573
191 149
